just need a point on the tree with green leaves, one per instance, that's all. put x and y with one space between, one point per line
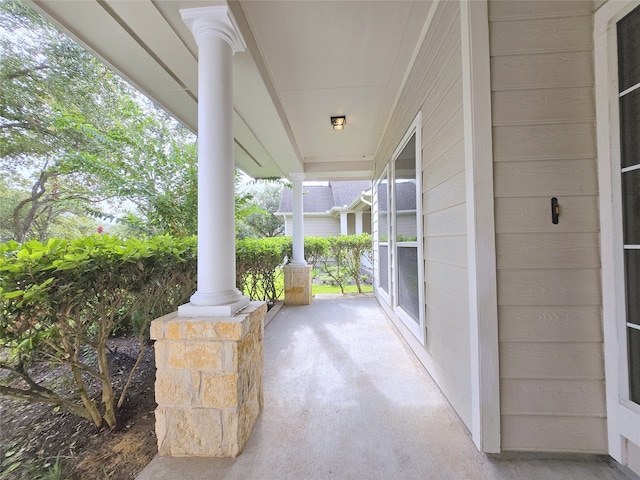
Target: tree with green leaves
260 220
49 120
75 139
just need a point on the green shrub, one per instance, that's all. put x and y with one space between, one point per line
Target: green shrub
342 260
259 265
60 301
315 249
357 246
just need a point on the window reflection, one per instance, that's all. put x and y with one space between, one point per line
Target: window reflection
383 233
406 231
405 193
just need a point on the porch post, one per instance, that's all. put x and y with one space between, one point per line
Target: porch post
298 220
358 223
218 39
297 275
209 357
343 223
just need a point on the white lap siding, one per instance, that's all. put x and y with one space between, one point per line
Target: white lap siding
434 86
549 292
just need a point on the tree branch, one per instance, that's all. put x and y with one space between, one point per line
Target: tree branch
25 72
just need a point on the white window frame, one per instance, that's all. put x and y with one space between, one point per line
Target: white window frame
417 329
623 416
384 294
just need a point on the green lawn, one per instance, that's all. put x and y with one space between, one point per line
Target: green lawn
320 289
316 289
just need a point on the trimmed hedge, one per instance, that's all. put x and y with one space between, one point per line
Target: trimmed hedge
259 265
60 301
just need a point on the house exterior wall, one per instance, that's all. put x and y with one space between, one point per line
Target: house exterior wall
319 226
326 226
434 86
366 222
552 388
351 224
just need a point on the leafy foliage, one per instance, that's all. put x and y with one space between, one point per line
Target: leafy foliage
342 258
259 266
60 301
76 140
261 221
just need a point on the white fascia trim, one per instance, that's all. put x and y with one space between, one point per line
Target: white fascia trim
481 247
361 203
305 214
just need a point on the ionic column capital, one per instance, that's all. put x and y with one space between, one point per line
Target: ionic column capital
214 21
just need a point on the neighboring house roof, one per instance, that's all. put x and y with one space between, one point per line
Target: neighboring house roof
405 196
323 198
344 193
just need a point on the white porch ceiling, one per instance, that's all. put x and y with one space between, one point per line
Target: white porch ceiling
306 61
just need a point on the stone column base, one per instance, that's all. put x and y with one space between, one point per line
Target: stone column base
297 285
208 382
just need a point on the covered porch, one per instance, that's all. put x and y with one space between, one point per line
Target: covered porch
346 398
487 111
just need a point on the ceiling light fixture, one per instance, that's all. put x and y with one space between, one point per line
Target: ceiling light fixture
338 122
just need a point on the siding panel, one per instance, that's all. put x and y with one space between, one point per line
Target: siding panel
448 135
505 10
542 70
546 360
555 433
549 291
549 287
544 142
434 87
570 397
450 277
550 323
533 36
446 249
546 105
545 178
533 215
445 195
440 169
321 226
449 222
539 250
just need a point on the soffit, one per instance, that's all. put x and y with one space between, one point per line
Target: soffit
306 61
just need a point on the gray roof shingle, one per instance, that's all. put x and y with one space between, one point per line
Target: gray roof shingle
318 199
344 193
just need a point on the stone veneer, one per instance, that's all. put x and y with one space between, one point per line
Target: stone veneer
297 285
208 382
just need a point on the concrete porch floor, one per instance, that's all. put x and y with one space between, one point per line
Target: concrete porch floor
345 398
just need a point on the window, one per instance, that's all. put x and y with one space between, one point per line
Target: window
399 273
382 193
406 228
629 106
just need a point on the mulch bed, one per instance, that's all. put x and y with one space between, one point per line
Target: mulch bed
36 440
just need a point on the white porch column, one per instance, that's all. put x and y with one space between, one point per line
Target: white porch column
298 220
358 223
343 223
218 38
